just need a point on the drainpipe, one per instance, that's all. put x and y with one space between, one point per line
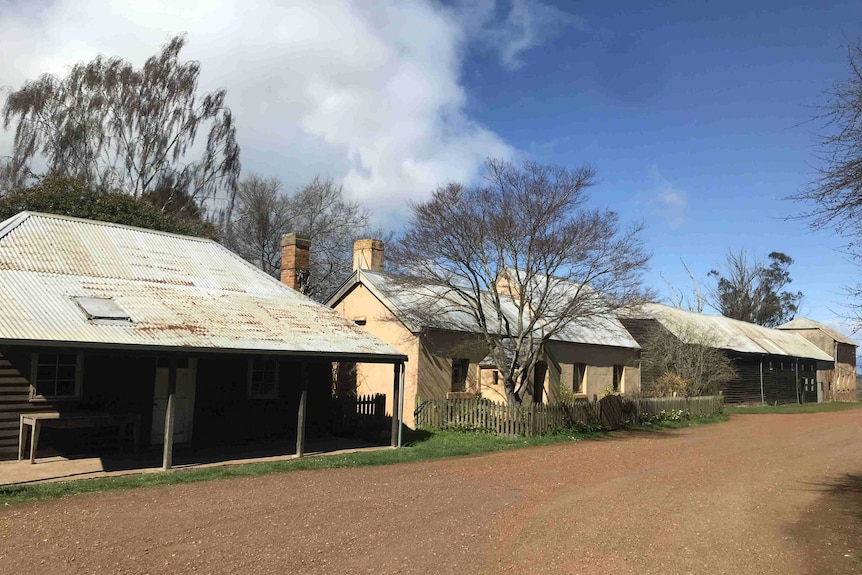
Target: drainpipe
762 397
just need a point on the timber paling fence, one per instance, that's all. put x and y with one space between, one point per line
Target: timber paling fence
359 413
703 406
539 419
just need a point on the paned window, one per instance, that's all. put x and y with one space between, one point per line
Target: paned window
55 376
262 378
579 376
459 374
618 378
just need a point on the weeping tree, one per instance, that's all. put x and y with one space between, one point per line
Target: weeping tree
116 127
522 256
264 212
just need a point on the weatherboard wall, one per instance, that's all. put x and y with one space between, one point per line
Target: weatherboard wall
123 382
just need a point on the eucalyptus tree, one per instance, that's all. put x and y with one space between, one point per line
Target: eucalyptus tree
749 289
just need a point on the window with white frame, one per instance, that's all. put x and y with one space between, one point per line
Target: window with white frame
55 376
618 378
579 375
262 378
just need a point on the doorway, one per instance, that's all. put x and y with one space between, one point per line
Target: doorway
184 402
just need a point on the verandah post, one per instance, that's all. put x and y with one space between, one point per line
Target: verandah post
170 409
300 415
396 388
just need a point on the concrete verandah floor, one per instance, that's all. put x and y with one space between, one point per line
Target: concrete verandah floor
60 468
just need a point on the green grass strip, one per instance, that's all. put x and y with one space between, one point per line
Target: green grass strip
792 408
420 446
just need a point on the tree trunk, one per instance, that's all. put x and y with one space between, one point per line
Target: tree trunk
512 396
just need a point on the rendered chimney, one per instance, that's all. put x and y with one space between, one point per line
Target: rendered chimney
294 262
368 255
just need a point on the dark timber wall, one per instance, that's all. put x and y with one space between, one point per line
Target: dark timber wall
125 381
111 382
780 380
224 413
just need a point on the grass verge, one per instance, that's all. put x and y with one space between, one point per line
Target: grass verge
792 408
420 446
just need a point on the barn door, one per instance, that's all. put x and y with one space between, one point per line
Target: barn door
184 402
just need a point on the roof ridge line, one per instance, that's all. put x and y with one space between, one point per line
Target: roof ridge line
26 214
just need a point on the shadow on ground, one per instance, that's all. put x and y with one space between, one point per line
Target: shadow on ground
828 534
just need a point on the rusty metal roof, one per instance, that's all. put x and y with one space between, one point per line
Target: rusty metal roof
422 304
178 291
731 334
805 323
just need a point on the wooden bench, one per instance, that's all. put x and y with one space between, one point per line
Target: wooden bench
74 419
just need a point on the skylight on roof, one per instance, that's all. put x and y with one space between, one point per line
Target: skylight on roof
102 309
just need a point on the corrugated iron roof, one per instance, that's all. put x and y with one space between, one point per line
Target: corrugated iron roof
805 323
732 334
178 291
421 305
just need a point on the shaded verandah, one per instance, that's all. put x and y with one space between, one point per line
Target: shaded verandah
224 414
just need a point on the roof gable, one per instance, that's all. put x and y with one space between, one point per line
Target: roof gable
804 323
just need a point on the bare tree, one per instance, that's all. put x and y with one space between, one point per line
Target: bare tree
750 290
320 212
692 355
523 258
263 213
835 194
120 128
694 301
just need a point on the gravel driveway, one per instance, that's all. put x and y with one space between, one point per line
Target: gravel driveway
760 494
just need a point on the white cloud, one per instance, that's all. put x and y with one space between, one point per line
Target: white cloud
526 25
368 93
667 201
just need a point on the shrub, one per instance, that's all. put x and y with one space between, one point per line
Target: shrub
669 384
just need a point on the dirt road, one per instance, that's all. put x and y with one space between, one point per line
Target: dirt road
760 494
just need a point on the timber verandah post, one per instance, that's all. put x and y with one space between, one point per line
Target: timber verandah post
397 403
300 417
168 453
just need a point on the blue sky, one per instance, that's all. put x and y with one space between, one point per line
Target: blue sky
693 113
696 117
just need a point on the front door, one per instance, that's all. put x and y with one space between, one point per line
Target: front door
184 402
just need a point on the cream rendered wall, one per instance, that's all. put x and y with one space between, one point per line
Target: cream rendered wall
378 378
437 350
599 361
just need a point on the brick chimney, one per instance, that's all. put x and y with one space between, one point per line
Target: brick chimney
294 262
368 255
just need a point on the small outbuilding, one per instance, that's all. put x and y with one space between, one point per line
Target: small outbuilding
837 382
176 336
